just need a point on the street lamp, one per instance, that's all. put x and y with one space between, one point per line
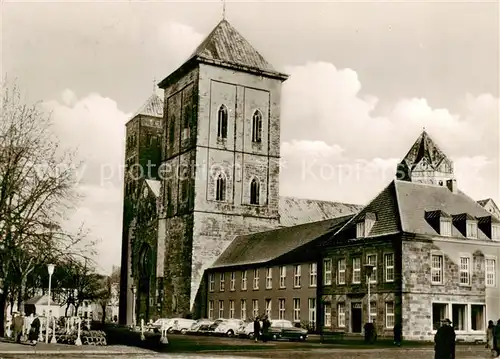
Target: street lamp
369 271
132 288
50 268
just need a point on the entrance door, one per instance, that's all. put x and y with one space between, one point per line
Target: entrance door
356 318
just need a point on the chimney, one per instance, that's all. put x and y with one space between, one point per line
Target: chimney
452 185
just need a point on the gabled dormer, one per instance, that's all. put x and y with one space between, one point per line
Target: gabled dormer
364 224
490 226
440 221
466 225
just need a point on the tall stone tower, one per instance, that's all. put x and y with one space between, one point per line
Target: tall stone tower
142 159
220 159
425 163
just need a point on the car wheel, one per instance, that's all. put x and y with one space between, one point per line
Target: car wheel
230 333
250 335
183 331
170 330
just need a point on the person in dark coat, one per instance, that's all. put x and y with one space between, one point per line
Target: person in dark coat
34 330
397 333
444 341
496 338
256 328
266 324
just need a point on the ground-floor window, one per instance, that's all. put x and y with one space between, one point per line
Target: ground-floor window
341 315
439 312
373 312
268 308
328 315
243 309
281 314
296 310
211 309
255 307
231 309
389 315
477 317
459 315
221 309
312 313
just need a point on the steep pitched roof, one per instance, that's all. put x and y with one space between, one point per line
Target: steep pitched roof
152 107
425 148
294 211
226 47
490 205
265 246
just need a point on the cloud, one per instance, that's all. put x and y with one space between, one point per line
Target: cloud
95 126
179 41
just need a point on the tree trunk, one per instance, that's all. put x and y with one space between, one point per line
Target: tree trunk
21 294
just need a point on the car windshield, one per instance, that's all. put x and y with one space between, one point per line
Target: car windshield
282 324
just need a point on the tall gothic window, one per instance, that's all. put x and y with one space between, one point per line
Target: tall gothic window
254 191
220 189
257 127
222 122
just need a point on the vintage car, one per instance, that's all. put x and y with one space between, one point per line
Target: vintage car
246 330
228 327
201 326
215 324
284 329
179 325
158 324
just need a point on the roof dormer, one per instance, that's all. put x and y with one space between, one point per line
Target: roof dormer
440 221
466 224
490 226
365 223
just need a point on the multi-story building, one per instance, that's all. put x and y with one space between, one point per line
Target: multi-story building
273 272
434 254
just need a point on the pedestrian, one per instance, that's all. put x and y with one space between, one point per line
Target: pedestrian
34 330
444 341
256 328
17 325
490 332
397 333
265 329
496 339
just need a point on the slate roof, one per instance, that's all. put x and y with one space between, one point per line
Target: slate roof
225 46
152 107
294 211
406 207
425 148
265 246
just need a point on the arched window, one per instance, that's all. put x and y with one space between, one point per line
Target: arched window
220 189
222 122
257 127
254 191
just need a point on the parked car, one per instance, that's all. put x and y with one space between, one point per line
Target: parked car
215 324
284 329
200 326
158 324
228 327
246 330
180 325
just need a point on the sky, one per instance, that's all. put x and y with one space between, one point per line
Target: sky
365 79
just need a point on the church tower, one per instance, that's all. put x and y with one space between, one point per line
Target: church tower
220 160
425 163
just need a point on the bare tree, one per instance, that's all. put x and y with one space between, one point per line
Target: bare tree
37 190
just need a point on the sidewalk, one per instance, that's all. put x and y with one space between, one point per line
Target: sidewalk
9 347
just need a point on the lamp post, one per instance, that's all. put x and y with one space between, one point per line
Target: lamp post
369 272
50 268
132 288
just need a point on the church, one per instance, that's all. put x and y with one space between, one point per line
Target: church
202 203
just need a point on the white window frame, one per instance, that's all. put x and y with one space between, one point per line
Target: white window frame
389 267
221 309
244 275
231 309
373 312
222 282
445 227
356 270
269 307
471 229
281 309
436 269
360 229
312 311
297 275
327 270
243 309
465 264
255 307
495 232
389 316
341 314
232 282
211 309
211 282
256 279
341 269
296 309
269 278
373 277
313 274
283 277
490 273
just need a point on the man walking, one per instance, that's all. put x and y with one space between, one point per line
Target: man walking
444 341
265 329
256 328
